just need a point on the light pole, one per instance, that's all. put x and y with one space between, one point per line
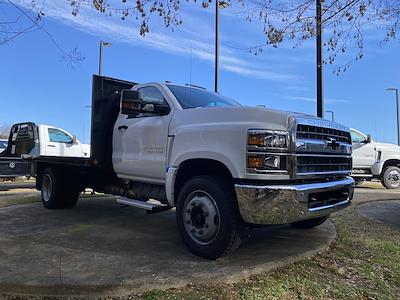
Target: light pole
320 90
218 5
332 114
398 112
105 44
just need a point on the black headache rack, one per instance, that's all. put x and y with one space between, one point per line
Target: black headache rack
21 141
19 159
106 94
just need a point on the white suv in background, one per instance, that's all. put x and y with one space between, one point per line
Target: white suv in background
375 160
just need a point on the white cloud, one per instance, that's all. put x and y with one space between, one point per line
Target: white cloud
180 42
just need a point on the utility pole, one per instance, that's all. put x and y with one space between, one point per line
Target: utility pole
218 5
398 112
320 90
216 71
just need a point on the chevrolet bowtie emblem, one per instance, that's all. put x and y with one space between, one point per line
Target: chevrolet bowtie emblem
332 144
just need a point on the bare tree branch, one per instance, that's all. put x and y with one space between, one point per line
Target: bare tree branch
11 29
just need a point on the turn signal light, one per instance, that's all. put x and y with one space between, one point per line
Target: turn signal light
255 161
256 140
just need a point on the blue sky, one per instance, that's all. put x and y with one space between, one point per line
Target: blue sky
37 86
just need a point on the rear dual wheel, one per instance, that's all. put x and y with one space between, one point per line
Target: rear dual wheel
57 192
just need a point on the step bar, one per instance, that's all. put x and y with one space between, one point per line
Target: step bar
149 207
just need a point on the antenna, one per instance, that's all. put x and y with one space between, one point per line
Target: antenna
190 72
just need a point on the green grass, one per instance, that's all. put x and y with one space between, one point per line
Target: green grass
362 263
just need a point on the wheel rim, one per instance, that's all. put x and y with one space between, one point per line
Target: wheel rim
201 217
47 185
394 178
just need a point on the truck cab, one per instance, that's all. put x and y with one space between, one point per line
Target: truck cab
54 141
375 160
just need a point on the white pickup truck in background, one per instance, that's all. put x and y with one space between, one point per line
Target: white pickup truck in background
48 141
30 140
3 144
55 141
375 160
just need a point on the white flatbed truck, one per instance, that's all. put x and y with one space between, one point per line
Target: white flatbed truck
221 165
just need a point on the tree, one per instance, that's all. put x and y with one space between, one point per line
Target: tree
28 21
5 131
344 21
344 24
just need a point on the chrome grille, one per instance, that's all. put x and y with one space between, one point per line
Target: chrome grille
323 164
321 133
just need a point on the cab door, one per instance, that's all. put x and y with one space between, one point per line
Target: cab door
59 143
364 154
140 142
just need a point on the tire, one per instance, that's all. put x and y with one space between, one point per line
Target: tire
391 178
55 192
308 224
207 217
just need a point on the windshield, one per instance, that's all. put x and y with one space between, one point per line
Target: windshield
194 97
3 144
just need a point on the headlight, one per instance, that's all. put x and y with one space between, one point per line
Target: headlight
267 139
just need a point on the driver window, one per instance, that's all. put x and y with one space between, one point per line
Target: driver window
152 95
357 137
57 136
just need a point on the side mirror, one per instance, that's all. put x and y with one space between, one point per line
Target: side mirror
369 139
132 104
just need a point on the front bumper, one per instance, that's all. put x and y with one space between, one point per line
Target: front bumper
283 204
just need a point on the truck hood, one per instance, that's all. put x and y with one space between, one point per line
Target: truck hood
387 147
251 117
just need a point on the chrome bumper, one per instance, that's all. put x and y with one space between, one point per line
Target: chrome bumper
283 204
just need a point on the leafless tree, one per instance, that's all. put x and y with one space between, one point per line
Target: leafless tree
345 24
344 21
5 131
28 21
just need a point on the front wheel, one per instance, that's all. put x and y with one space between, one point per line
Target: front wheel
391 178
207 217
308 224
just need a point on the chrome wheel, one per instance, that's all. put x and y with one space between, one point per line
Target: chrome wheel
201 217
394 178
47 186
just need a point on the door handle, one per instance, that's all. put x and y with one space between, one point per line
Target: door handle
122 127
52 146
